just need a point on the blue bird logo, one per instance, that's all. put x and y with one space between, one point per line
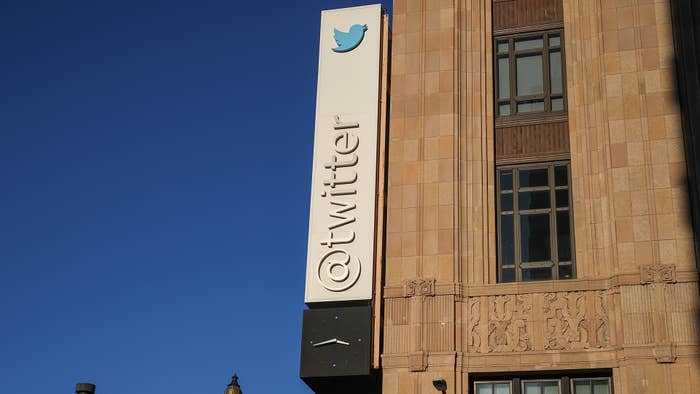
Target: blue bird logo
350 40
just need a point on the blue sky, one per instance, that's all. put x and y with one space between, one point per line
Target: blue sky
155 160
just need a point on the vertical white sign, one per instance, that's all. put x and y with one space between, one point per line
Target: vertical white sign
340 255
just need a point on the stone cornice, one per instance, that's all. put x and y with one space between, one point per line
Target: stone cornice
623 279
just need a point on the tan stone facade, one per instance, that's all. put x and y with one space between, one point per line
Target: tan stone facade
633 310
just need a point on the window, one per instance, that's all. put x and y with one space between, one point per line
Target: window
591 386
541 387
530 73
535 222
492 388
580 382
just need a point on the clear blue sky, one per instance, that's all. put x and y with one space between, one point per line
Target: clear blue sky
155 160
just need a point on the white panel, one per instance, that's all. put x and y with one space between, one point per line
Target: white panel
340 255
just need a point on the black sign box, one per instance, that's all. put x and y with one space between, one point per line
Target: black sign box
336 342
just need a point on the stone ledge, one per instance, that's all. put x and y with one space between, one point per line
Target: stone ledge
625 279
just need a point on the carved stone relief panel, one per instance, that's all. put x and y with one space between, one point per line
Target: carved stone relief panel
419 287
473 334
569 320
658 273
602 319
565 320
508 323
570 324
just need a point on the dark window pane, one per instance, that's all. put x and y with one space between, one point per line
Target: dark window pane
507 275
503 78
554 40
507 202
533 200
502 46
531 106
534 237
507 240
529 75
561 177
531 274
562 198
555 78
557 104
504 109
507 180
523 44
566 271
563 236
535 177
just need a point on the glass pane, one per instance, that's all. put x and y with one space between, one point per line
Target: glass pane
502 388
532 388
504 109
563 236
523 44
562 198
507 180
507 240
561 177
502 46
507 276
484 388
601 387
582 387
534 237
532 274
551 388
535 177
557 104
529 75
555 78
554 40
566 271
503 78
531 106
507 202
533 200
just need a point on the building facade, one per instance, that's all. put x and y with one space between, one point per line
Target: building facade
537 228
539 235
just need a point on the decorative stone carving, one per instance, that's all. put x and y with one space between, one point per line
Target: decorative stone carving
419 287
474 336
565 321
602 324
418 361
658 273
508 323
665 353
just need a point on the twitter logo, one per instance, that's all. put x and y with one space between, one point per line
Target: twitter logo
350 40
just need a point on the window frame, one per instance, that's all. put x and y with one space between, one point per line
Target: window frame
565 381
525 381
512 54
591 380
492 383
553 263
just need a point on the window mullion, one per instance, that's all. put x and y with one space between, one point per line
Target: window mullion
516 224
572 239
545 74
513 82
553 224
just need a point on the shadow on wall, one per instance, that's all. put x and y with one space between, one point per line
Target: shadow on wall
685 15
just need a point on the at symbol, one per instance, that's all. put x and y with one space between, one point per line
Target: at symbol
335 275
